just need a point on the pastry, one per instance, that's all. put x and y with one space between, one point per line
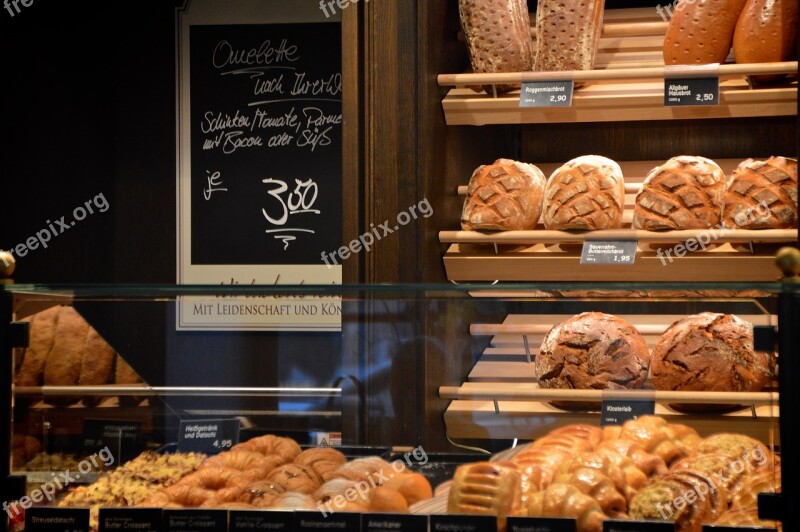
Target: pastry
564 500
654 435
488 489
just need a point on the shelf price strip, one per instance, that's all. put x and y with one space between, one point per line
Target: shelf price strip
546 94
621 252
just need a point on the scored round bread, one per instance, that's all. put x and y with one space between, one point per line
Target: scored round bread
586 193
504 196
709 352
762 195
595 351
498 37
686 192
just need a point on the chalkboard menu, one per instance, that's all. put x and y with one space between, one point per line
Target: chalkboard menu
266 143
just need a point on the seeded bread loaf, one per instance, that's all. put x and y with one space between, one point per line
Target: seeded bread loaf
498 37
504 196
585 194
568 34
762 195
766 32
683 193
701 32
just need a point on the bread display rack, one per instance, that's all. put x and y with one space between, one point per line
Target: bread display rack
501 399
626 85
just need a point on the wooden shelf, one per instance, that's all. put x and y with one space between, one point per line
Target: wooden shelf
626 85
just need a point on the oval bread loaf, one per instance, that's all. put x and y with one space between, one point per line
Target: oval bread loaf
766 32
701 32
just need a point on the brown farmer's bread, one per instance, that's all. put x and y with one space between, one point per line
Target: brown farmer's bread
701 32
683 193
568 34
504 196
498 37
585 194
762 195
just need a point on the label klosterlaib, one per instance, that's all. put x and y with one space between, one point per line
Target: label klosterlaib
691 91
208 436
546 94
609 252
57 520
394 523
617 412
541 524
637 526
463 523
138 519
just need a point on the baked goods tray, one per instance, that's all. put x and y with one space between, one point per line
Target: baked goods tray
542 255
626 85
502 400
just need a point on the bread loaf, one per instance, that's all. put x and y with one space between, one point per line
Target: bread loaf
498 37
684 193
709 352
42 337
567 34
701 32
766 32
593 351
503 196
585 194
762 195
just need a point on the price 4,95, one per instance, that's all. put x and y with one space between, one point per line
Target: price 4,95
223 444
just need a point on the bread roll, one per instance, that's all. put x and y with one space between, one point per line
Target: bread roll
564 500
585 194
567 34
762 195
710 352
684 193
593 351
498 37
486 488
649 463
766 32
701 32
414 487
504 196
655 436
596 484
386 500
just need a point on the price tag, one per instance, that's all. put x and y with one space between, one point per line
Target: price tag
541 524
463 523
609 252
618 412
546 94
121 437
316 521
241 520
394 523
138 519
209 436
195 521
738 528
42 519
638 526
691 91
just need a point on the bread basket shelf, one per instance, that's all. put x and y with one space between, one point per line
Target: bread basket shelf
502 400
542 255
626 85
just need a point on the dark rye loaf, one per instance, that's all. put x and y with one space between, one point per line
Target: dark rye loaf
762 195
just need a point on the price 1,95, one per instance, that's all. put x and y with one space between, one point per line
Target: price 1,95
223 444
622 258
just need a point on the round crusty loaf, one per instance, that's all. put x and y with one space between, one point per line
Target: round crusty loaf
710 352
498 37
683 193
503 196
762 195
593 351
587 193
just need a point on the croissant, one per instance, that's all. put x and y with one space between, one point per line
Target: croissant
597 485
564 500
486 488
650 464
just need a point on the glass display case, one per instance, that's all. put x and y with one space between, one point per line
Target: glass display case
630 397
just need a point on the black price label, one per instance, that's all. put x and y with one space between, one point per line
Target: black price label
195 521
208 436
394 523
541 524
260 520
463 523
56 519
691 91
618 412
546 94
638 526
320 521
121 437
609 252
137 519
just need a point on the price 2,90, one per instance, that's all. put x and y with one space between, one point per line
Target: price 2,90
558 98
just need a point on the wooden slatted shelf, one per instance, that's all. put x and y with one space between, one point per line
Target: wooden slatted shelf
626 85
502 400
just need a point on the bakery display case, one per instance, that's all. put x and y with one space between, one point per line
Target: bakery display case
552 390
